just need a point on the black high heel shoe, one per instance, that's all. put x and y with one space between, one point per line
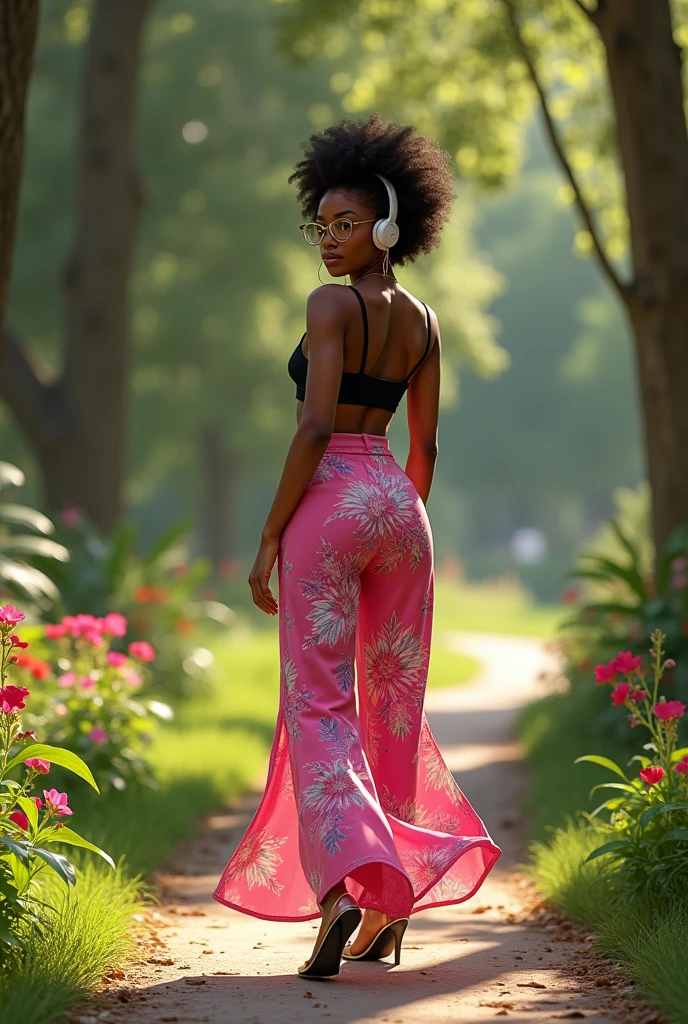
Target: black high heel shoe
387 939
327 956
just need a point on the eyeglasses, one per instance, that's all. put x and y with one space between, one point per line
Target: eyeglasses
339 229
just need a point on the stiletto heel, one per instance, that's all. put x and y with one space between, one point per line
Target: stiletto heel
379 945
398 928
326 958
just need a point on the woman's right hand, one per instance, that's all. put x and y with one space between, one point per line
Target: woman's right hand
259 577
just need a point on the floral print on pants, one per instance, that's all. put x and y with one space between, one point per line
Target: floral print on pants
357 789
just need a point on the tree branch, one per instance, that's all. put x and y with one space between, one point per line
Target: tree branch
30 398
619 286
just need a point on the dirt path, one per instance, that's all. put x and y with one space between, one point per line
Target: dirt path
480 961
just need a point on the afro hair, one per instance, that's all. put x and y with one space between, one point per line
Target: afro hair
349 154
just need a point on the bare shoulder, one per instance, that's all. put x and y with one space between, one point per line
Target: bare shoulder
329 301
421 307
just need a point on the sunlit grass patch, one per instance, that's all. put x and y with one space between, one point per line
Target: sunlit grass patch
493 606
75 946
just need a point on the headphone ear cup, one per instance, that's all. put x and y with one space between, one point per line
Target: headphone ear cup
385 233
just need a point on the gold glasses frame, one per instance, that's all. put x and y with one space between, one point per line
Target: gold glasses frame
323 229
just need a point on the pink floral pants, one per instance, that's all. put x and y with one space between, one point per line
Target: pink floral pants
359 794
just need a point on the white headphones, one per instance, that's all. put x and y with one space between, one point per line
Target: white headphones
385 231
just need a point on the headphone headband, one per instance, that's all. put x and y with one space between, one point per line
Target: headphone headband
385 231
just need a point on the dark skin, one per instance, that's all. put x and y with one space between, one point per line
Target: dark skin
333 344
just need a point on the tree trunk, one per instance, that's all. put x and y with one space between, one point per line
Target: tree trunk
77 425
219 474
18 24
644 65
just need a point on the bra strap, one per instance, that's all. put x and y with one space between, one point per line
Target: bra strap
427 346
365 328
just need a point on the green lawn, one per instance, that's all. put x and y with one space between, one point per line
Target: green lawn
493 607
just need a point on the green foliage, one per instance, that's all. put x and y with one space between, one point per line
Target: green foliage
24 545
28 825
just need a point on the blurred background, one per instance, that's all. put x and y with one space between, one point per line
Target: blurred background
540 423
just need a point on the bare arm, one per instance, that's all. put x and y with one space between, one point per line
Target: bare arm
423 413
326 316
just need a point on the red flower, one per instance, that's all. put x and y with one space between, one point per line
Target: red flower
670 709
38 764
682 766
638 695
142 650
12 698
652 775
16 642
183 625
605 673
570 595
621 694
142 594
626 663
38 668
23 735
19 818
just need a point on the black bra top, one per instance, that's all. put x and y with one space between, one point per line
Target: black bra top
358 388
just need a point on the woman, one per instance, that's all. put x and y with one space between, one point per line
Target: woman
360 811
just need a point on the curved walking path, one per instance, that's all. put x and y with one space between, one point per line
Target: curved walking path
480 961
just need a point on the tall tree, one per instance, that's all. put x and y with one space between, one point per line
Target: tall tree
75 421
18 23
607 76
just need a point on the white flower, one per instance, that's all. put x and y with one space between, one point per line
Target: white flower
333 591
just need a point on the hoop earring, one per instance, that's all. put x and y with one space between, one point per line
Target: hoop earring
385 262
319 277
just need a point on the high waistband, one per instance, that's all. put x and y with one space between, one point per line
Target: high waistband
360 444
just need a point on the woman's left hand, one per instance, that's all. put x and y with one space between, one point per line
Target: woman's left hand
259 578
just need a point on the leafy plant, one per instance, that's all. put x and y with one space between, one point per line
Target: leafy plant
154 590
29 825
25 546
647 825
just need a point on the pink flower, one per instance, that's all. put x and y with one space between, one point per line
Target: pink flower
66 679
670 663
605 673
87 683
682 766
56 631
133 678
23 735
83 623
92 636
16 642
638 695
670 709
12 698
19 818
142 650
626 663
38 802
621 694
98 735
38 764
10 616
56 801
71 516
116 658
653 774
115 624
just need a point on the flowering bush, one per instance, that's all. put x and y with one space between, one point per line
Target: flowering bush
620 601
647 823
154 590
29 824
89 698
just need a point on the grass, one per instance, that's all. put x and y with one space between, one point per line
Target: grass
649 942
493 606
76 946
